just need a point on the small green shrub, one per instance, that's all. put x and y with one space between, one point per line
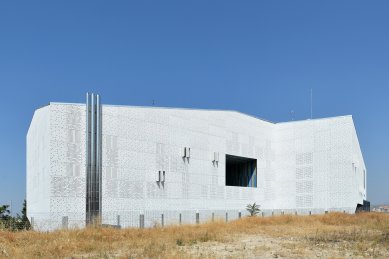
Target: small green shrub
253 209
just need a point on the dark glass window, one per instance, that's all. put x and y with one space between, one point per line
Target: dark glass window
241 171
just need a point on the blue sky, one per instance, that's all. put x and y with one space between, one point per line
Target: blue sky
258 57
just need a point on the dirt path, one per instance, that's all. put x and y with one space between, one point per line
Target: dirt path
260 246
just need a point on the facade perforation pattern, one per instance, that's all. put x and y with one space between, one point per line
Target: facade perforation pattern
301 166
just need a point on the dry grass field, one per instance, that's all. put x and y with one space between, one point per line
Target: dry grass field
333 235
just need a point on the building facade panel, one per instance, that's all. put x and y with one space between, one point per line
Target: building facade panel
166 166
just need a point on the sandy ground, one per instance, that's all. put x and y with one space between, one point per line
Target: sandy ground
260 246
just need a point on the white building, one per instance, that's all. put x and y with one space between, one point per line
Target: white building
149 165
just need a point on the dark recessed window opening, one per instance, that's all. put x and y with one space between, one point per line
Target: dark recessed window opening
241 171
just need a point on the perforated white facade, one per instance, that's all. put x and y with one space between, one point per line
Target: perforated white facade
303 167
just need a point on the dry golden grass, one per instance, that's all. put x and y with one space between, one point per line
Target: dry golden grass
365 234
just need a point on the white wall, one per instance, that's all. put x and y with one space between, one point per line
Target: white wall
56 166
139 142
302 166
38 165
68 158
315 164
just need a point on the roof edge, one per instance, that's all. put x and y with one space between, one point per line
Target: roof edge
177 108
316 119
197 109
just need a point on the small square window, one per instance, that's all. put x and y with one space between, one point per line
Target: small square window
241 171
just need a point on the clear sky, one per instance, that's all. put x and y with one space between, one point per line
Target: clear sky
258 57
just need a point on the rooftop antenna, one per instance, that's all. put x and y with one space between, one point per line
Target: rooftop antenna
153 102
311 103
292 114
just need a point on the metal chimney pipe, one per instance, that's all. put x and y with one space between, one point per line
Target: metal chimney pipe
93 158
